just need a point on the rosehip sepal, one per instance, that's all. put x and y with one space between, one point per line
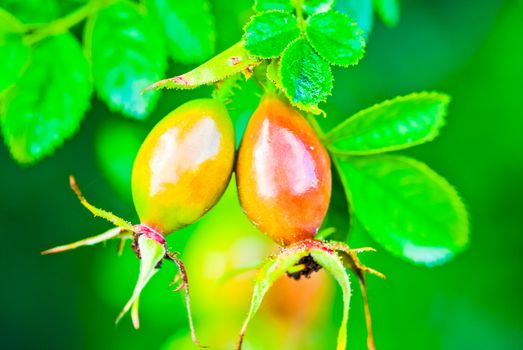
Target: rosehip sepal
295 259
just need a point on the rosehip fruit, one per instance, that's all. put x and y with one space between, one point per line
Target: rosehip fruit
283 173
184 165
181 170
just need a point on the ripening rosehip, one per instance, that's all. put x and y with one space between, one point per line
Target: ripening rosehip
283 173
181 170
184 165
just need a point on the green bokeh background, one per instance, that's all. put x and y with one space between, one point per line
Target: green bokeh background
472 50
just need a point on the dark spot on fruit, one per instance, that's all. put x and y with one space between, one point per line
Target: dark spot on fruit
311 266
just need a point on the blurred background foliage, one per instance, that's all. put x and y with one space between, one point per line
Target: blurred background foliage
469 49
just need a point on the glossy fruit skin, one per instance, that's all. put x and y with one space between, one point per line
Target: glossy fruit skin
283 173
184 165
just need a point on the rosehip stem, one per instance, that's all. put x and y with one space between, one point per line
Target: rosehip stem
63 24
185 285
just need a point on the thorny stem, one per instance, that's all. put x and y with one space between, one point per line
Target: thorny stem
185 285
371 345
65 23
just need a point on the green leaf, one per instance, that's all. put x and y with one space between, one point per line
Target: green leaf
32 11
232 61
305 76
272 269
316 6
151 254
395 124
48 101
331 262
409 209
269 33
127 55
336 38
266 5
188 27
14 55
388 10
360 11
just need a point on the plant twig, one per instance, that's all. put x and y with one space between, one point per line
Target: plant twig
185 285
63 24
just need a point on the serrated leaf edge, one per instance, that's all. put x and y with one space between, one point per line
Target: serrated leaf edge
310 109
123 109
457 202
360 33
329 139
181 82
258 11
253 18
4 100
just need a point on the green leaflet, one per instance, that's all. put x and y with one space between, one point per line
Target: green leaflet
316 6
305 76
266 5
188 27
127 55
32 11
269 33
331 262
231 61
272 269
48 101
14 55
395 124
360 11
336 38
388 10
409 209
